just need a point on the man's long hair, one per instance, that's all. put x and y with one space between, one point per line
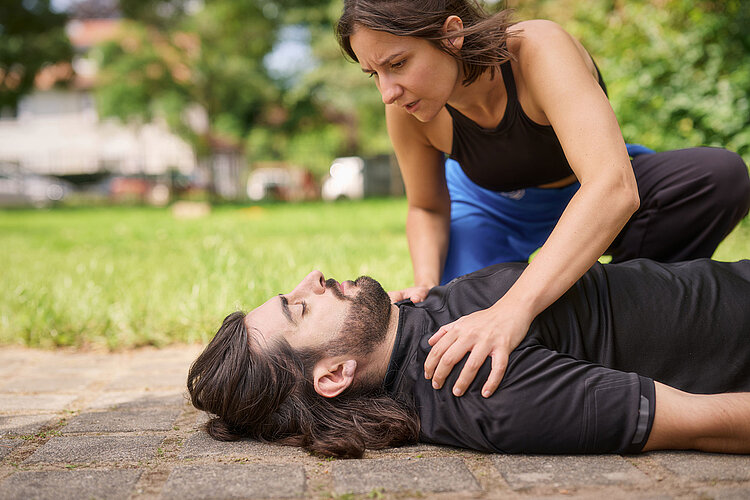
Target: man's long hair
266 393
485 36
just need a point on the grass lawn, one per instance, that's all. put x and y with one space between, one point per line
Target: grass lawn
122 277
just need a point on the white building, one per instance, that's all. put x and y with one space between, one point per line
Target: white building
58 131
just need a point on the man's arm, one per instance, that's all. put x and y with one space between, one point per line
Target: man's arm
706 422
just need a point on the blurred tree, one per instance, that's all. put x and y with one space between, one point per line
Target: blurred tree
203 73
331 108
32 37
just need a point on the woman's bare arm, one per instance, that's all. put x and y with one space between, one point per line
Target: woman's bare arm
428 218
559 83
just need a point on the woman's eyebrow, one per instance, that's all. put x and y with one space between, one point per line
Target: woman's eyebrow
384 62
285 309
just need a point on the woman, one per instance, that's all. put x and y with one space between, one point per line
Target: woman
523 109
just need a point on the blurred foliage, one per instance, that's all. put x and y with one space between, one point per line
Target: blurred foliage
32 37
203 73
677 71
333 109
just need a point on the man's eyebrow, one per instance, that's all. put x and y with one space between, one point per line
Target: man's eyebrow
384 61
285 309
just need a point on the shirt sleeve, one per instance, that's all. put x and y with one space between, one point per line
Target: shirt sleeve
548 403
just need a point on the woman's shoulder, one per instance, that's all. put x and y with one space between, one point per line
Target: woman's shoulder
536 34
533 42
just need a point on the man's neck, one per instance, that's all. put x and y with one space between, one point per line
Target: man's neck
381 356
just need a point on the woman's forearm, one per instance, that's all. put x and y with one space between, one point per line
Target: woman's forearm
428 234
589 224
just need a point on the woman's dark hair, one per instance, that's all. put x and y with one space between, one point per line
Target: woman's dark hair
266 393
485 35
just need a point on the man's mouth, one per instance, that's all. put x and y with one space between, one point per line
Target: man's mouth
339 288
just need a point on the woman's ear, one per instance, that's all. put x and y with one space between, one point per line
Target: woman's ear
331 377
453 24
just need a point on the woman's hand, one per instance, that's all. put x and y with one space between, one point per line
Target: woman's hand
415 294
493 332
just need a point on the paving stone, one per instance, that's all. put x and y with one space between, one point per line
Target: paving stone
147 381
60 485
706 466
423 475
50 383
235 481
123 421
416 449
126 400
22 424
200 444
25 402
726 493
522 471
83 449
201 419
8 445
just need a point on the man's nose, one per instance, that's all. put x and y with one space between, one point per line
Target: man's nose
390 90
312 283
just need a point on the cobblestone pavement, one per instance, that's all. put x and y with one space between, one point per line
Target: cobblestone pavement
92 425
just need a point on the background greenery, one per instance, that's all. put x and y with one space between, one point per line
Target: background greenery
122 277
678 73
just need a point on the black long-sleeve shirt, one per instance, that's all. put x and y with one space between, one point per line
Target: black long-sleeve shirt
582 379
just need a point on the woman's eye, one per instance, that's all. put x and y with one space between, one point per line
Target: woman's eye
304 307
398 65
370 75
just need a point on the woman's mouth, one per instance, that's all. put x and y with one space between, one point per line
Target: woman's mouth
412 106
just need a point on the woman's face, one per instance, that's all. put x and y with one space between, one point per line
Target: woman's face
409 72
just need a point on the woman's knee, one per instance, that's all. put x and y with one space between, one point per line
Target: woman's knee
728 175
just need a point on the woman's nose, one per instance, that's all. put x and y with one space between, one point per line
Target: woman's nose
389 90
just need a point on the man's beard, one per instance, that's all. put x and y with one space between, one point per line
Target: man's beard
367 320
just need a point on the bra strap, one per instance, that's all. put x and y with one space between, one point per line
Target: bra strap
509 81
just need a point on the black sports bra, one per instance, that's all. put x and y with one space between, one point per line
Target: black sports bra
516 154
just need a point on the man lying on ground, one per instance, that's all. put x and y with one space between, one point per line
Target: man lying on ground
608 368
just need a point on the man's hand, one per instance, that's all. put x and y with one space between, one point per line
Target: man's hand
415 294
493 332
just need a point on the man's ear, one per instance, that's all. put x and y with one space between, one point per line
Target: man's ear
453 24
331 377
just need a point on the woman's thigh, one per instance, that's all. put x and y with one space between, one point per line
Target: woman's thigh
690 200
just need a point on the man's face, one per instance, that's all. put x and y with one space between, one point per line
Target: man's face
349 317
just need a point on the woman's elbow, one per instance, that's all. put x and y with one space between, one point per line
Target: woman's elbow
625 190
621 195
633 198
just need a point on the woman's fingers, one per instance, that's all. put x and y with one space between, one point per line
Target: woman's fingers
499 364
442 341
415 294
450 357
473 363
438 335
